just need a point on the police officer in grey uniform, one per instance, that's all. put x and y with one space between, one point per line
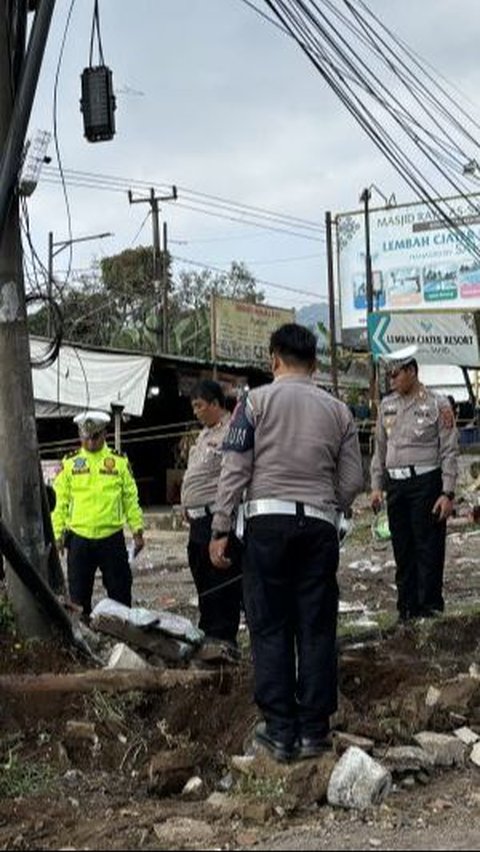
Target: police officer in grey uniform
295 450
219 594
415 460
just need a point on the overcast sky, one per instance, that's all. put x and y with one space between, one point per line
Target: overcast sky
213 98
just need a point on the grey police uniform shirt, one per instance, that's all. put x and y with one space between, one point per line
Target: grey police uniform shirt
199 485
415 430
290 440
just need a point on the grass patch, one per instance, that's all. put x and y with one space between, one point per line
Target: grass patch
24 777
261 788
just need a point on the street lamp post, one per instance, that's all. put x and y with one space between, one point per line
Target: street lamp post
60 245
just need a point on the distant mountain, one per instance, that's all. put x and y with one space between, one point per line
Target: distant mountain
311 315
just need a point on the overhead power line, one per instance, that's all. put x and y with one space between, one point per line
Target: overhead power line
285 287
421 130
116 183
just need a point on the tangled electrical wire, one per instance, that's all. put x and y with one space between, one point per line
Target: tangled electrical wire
400 102
53 346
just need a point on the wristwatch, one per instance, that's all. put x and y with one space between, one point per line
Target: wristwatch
216 534
449 494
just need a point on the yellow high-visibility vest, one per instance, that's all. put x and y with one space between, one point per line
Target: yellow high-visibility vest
96 495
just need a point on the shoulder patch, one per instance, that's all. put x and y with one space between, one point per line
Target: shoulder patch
447 417
241 433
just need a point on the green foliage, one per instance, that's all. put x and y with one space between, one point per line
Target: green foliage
190 305
7 618
23 777
261 788
121 306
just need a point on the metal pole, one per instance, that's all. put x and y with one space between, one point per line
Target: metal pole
469 386
117 422
365 197
50 283
12 145
156 246
153 201
165 288
331 303
213 335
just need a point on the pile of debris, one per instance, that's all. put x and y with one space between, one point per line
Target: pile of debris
156 638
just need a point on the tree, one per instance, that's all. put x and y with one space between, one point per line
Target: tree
117 306
128 278
190 305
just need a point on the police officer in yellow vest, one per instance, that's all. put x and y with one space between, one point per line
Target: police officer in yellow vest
96 496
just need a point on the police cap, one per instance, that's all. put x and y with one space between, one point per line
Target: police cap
401 358
91 423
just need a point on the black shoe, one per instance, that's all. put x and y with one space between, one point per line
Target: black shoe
313 746
405 616
218 651
281 751
430 613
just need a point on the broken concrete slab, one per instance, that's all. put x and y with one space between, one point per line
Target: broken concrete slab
123 657
408 758
358 781
445 749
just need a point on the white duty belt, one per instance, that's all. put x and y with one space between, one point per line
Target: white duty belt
272 506
411 470
199 512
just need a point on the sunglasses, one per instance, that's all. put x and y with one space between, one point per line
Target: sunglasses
392 374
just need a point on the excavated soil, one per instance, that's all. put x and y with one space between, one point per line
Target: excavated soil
102 789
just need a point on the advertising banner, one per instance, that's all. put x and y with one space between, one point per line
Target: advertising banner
241 331
418 263
442 337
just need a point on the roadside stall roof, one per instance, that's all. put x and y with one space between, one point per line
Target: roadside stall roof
83 378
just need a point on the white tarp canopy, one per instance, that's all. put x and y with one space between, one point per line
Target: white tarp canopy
446 380
86 378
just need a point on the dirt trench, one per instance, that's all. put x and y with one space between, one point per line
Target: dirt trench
100 770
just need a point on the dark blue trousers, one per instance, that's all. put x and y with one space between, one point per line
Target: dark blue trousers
418 541
109 554
219 592
291 602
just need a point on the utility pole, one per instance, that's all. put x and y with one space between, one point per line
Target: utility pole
20 484
331 303
365 197
165 289
153 201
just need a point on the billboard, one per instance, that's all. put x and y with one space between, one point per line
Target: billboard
442 337
418 263
241 331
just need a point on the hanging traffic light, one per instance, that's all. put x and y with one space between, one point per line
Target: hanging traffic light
98 104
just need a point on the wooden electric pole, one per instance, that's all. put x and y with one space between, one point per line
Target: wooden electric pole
160 269
20 484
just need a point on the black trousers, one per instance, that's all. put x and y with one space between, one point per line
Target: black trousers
219 592
109 554
418 540
291 602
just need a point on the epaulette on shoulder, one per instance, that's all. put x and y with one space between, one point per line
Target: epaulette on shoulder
118 453
71 454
